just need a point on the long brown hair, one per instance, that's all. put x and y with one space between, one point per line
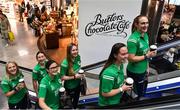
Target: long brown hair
136 21
112 59
8 72
70 59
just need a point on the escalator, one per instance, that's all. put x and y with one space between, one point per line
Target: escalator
163 91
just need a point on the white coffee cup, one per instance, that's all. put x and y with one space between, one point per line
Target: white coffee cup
81 71
153 47
129 81
61 91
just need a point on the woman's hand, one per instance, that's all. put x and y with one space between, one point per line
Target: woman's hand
126 88
79 76
151 54
20 86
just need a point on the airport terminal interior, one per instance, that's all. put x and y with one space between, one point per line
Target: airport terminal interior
53 31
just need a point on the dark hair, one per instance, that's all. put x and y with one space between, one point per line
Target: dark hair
69 58
136 21
112 59
38 54
72 13
43 9
48 64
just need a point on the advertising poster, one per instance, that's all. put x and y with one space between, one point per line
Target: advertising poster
103 23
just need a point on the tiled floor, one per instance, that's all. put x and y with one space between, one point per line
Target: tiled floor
25 47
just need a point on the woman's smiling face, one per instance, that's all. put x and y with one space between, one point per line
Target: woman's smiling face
74 51
12 68
142 24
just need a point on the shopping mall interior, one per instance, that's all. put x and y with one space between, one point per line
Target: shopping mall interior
52 29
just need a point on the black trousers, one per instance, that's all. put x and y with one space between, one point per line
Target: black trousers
74 94
140 82
23 104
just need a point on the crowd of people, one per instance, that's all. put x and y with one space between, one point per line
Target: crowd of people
48 77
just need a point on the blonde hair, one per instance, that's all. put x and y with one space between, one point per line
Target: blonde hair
8 72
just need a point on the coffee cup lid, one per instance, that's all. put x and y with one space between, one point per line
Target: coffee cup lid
21 80
129 80
153 46
62 89
81 71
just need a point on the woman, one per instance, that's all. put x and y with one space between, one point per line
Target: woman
112 76
15 91
49 97
39 70
5 27
138 49
69 71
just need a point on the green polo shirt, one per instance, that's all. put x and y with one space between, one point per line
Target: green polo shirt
138 46
73 83
7 85
111 78
39 73
49 90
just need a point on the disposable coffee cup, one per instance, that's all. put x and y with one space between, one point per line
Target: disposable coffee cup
21 80
81 71
61 91
153 47
129 81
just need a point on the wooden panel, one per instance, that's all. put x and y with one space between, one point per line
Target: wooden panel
52 40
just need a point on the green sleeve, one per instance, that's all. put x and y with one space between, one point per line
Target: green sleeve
107 83
132 47
5 86
64 69
42 90
35 74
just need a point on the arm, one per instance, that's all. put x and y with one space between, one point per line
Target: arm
43 105
35 86
63 72
68 77
116 91
134 58
7 90
10 93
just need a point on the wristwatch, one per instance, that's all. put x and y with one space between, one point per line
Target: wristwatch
145 57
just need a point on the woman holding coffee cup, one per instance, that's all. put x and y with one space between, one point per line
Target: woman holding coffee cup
13 86
49 97
70 67
138 49
112 77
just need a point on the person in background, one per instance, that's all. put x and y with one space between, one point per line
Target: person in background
48 94
39 71
69 71
138 49
112 84
169 55
5 27
44 15
28 7
15 91
21 11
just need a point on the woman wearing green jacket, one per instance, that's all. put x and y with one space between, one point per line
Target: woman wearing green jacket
112 76
15 91
49 97
69 71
